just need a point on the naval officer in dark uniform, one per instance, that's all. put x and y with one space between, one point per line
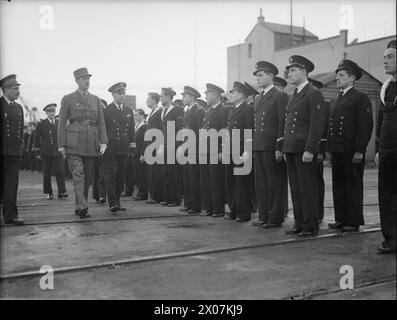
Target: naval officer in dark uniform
45 140
10 147
269 165
304 127
120 128
192 120
386 157
350 128
212 175
239 186
172 170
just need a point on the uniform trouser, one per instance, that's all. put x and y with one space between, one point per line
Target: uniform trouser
304 191
212 185
321 188
387 193
10 179
81 170
191 186
142 179
270 185
98 185
155 181
130 178
347 189
53 165
238 193
114 172
172 183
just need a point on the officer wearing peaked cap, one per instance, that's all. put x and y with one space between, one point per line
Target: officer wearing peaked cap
238 187
279 83
11 120
193 120
386 157
304 127
253 94
120 128
350 128
269 166
45 140
81 135
212 173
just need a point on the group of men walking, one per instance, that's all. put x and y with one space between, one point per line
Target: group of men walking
290 136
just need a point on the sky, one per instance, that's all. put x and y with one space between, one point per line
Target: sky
152 44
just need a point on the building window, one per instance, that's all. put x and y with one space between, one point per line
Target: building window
250 50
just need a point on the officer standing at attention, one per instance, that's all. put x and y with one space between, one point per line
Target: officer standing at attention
11 147
193 120
239 187
140 145
212 175
348 136
45 140
120 129
304 126
172 171
82 138
386 157
269 165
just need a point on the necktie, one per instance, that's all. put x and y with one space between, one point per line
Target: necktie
295 92
11 104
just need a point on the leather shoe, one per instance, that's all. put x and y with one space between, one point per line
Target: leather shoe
184 209
102 200
77 212
173 205
193 211
385 250
114 208
121 208
350 228
50 196
293 231
336 225
206 213
216 215
228 217
84 213
258 223
151 201
308 233
15 221
271 225
164 203
242 219
63 195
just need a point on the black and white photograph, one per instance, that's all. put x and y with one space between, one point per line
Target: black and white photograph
198 154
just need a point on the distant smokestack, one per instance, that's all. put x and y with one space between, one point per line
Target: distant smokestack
261 18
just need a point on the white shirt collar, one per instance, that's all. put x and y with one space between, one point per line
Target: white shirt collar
302 85
170 107
239 104
118 106
137 126
345 90
8 101
267 89
189 107
213 107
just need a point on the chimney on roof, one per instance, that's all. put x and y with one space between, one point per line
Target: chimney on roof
261 18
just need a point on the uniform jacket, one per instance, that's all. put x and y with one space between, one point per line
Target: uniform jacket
216 118
239 119
11 142
193 120
86 127
305 121
350 123
174 115
45 138
269 114
139 139
120 128
154 122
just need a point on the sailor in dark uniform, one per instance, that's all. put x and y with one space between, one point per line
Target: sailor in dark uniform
212 175
141 166
120 128
46 145
348 136
238 186
304 127
192 120
321 157
171 116
10 147
155 174
269 165
386 157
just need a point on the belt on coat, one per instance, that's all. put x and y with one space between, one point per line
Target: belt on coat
88 123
